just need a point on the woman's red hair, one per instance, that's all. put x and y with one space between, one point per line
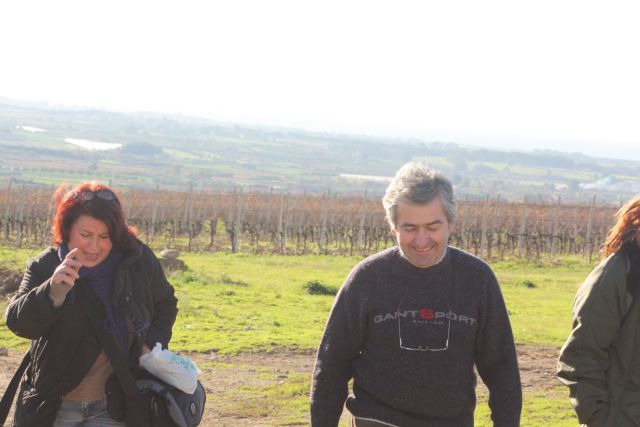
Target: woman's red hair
69 207
626 228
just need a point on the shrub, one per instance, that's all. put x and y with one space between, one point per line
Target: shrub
316 287
527 284
229 281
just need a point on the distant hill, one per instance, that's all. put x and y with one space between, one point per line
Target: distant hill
174 151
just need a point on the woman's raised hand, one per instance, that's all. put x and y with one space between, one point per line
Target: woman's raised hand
64 277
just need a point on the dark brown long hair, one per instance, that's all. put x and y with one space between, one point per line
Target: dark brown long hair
627 225
70 205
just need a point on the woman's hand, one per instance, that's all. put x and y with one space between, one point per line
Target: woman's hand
144 349
64 278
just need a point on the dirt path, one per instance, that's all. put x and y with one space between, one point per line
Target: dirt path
223 376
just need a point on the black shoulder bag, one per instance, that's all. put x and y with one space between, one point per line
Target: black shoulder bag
139 398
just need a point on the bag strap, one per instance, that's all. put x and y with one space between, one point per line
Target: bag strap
111 349
114 354
12 388
109 345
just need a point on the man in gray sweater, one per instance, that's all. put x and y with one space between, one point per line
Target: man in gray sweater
410 323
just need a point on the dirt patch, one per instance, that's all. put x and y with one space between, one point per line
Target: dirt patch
223 376
9 282
538 367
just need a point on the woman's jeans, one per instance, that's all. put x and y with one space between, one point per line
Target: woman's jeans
85 414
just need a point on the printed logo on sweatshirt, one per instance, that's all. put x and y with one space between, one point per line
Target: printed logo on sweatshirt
424 315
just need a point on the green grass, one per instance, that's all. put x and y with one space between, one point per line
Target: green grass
540 408
541 315
247 303
284 402
16 259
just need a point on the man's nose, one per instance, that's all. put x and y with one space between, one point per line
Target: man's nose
422 238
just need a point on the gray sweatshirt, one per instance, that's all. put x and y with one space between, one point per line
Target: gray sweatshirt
386 315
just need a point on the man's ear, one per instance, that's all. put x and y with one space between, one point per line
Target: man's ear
452 227
392 233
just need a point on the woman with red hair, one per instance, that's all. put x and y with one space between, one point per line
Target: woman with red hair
94 249
600 358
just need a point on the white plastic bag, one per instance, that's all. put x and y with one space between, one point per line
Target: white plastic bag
171 368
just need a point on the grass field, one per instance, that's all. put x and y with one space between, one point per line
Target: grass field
246 303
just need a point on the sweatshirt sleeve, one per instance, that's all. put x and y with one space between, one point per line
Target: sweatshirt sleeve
598 310
31 313
496 358
341 343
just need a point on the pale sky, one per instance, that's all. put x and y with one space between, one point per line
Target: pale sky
555 74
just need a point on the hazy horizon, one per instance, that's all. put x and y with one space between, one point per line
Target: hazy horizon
497 142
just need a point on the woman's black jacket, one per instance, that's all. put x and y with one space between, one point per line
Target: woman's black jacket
64 347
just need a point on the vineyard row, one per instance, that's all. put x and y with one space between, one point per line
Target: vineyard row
323 224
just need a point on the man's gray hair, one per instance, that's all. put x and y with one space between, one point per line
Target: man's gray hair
417 183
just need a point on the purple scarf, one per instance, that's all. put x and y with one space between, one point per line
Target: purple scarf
101 278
